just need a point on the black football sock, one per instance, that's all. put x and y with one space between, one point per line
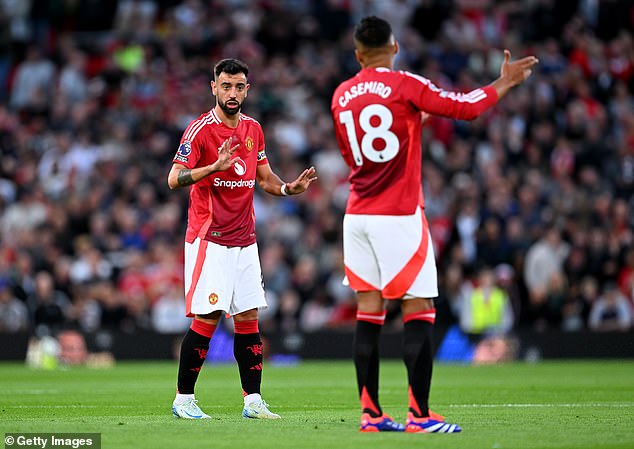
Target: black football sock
419 357
366 360
247 350
193 353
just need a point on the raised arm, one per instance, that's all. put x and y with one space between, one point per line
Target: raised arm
468 106
271 183
181 176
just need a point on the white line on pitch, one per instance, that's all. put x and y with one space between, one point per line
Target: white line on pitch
34 392
71 406
89 406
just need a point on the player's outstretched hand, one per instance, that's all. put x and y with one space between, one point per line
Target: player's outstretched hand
513 73
302 182
225 152
517 71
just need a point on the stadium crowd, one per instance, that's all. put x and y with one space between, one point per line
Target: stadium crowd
536 197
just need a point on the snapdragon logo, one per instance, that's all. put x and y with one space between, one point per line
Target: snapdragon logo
239 166
248 183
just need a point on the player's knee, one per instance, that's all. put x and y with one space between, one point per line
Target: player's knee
371 302
211 318
249 315
415 305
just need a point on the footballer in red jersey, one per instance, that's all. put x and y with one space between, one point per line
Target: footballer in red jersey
221 205
378 125
221 156
388 252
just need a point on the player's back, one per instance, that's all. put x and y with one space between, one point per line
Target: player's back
378 129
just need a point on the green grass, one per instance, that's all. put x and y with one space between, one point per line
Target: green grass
524 406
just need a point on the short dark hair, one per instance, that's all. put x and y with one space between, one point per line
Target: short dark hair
231 66
373 32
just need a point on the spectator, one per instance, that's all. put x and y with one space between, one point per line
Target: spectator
576 308
14 315
626 275
113 312
546 311
168 313
25 214
456 289
316 313
33 80
72 348
49 306
90 265
288 313
72 81
492 248
505 278
486 310
611 311
85 312
544 260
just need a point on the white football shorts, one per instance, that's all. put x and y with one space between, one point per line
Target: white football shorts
393 254
222 278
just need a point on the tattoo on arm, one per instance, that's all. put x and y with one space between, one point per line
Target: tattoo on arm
185 177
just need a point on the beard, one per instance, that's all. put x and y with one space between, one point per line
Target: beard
230 110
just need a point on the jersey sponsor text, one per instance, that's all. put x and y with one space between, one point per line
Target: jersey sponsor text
248 183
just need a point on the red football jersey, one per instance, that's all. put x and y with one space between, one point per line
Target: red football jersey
377 119
221 205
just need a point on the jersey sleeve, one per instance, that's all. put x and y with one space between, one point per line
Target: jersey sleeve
262 159
425 96
188 153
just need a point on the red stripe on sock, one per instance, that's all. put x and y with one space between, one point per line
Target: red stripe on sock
428 315
246 327
202 328
413 404
367 403
372 317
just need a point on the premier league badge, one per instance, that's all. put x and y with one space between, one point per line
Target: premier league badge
185 148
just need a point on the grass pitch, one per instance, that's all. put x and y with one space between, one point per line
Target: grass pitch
545 405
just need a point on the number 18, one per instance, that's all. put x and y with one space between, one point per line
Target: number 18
381 131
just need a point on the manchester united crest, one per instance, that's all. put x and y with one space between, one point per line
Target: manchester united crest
213 299
250 143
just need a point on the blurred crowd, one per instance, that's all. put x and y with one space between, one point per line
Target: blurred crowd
533 201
